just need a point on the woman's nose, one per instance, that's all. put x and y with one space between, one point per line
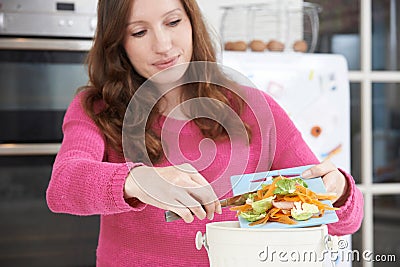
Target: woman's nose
162 41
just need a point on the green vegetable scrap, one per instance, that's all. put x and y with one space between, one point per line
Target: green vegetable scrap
288 186
259 209
305 211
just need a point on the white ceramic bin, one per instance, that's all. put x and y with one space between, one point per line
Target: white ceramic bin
228 245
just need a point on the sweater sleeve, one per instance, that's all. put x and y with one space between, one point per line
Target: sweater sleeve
351 212
291 150
81 183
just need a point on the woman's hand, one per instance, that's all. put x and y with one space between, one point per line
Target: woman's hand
334 180
181 189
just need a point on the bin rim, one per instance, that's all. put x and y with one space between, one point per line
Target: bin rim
220 225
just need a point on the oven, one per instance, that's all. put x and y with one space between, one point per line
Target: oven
43 45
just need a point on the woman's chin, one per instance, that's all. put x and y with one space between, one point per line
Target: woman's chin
171 75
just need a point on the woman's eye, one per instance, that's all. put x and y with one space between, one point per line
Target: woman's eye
174 23
139 34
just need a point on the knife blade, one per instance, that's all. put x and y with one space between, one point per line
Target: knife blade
238 200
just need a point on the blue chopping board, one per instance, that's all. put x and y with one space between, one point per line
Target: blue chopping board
242 184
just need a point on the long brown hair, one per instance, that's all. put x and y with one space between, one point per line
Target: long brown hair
114 81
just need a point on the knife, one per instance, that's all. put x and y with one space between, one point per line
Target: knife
238 200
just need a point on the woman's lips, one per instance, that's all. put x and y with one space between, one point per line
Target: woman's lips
163 64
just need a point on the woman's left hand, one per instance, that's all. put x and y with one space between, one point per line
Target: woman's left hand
334 180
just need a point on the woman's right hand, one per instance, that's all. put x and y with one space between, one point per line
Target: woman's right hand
181 189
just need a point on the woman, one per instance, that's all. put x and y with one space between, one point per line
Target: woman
114 160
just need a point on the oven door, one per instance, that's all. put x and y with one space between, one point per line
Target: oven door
38 79
30 234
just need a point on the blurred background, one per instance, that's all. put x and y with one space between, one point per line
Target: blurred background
367 34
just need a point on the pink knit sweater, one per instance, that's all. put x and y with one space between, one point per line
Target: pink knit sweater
88 179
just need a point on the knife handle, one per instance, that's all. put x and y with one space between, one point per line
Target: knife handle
171 216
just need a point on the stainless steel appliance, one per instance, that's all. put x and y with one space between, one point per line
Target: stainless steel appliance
43 44
71 18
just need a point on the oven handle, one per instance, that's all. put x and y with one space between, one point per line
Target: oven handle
29 149
11 43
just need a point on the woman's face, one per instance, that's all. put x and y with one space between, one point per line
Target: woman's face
158 36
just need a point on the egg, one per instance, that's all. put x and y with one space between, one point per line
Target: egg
239 46
275 45
228 46
300 46
257 46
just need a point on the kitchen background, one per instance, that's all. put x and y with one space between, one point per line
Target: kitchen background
39 72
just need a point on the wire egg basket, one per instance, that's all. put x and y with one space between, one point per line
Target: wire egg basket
273 26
